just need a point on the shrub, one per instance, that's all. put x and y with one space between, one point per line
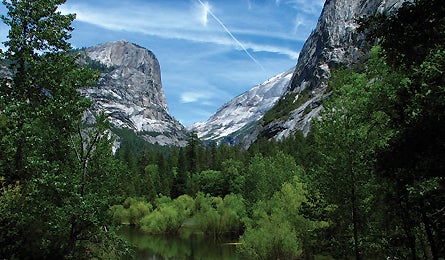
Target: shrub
278 228
131 211
215 215
169 215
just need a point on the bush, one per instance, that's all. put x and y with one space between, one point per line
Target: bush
278 228
138 210
169 215
283 108
131 211
120 214
215 215
273 238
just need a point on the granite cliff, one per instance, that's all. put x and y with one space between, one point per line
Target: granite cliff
334 42
130 92
236 119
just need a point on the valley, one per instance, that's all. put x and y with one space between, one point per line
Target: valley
338 157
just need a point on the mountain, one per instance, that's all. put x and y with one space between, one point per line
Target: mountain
4 71
130 92
334 43
238 117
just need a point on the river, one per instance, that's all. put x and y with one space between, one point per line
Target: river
193 246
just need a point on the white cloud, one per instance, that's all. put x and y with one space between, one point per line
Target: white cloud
205 13
192 24
273 49
249 5
307 6
142 17
299 21
198 78
190 97
204 95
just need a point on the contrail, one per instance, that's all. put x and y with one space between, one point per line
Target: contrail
232 36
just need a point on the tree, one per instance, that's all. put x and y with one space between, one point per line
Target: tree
180 177
413 38
37 50
153 181
234 172
193 153
278 228
211 182
265 175
408 34
353 126
64 171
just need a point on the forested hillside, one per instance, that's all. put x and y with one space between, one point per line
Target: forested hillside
366 183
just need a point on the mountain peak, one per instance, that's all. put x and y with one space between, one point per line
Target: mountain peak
334 43
130 92
124 53
235 119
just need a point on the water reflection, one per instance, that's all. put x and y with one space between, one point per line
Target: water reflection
186 246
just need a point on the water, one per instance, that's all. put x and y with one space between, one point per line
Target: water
191 246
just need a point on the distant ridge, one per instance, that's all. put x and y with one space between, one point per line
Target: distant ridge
235 119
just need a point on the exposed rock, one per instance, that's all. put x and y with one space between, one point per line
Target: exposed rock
335 42
238 118
130 92
5 72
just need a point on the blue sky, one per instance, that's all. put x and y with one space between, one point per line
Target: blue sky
209 51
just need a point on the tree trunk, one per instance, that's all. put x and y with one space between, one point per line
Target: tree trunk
428 231
73 237
407 226
354 219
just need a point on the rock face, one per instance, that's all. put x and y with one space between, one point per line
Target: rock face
5 72
237 118
335 42
130 92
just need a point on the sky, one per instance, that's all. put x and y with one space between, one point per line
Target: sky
210 51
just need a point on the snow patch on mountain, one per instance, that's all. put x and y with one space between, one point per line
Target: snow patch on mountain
243 110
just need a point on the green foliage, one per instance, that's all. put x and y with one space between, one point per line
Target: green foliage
282 109
169 215
138 210
265 175
378 137
94 64
131 211
210 215
273 238
130 139
374 161
233 170
278 228
295 146
194 153
11 204
216 215
211 182
409 34
153 180
413 39
120 214
65 171
354 124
